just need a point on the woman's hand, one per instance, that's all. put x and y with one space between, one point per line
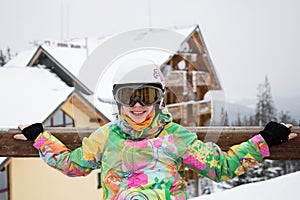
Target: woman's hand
291 135
29 131
277 133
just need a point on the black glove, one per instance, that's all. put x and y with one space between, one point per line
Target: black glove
275 133
31 132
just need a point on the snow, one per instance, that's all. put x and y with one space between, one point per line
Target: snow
71 58
2 159
185 30
29 95
283 187
22 59
73 54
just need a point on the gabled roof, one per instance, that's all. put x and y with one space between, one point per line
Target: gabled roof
71 56
67 61
29 95
22 59
185 30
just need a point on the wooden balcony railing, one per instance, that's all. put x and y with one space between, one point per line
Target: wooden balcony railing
223 136
199 108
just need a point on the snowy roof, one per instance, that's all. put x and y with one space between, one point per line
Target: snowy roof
185 30
29 95
2 159
71 58
73 53
22 59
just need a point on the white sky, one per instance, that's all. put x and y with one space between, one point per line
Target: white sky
246 39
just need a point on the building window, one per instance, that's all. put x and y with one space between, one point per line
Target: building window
4 185
60 119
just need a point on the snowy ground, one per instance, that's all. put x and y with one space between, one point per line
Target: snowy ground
283 187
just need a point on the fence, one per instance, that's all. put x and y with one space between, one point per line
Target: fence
223 136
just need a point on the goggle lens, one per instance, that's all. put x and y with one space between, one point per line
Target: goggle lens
147 95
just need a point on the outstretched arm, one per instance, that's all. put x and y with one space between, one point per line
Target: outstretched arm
210 161
78 162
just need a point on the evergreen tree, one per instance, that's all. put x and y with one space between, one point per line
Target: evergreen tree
5 57
265 110
284 117
224 116
238 121
2 58
8 54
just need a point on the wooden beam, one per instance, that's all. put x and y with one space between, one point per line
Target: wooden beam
223 136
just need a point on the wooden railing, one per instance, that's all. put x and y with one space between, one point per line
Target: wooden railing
223 136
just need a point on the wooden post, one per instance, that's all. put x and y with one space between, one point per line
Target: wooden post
223 136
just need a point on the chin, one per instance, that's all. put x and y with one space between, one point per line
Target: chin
138 120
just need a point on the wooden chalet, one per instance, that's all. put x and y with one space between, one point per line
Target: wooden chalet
190 74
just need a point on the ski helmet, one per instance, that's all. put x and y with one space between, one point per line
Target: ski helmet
139 81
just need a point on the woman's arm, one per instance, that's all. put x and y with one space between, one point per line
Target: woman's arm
210 161
79 162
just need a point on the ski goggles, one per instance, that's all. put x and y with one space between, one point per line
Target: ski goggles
145 93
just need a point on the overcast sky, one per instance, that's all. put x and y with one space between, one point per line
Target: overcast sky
246 39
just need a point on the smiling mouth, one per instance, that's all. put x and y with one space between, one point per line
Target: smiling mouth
137 113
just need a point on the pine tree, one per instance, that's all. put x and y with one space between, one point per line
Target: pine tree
5 57
224 117
2 58
284 117
265 110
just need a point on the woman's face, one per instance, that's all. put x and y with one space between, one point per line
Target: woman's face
138 113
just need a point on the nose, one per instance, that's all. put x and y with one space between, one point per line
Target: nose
137 105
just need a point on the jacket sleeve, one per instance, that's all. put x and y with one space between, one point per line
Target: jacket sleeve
210 161
79 162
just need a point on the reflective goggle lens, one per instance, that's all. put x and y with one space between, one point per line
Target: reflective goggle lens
130 95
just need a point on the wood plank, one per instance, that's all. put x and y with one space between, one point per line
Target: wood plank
223 136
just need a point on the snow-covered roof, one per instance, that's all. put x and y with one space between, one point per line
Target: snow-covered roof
22 59
71 58
2 159
72 54
185 30
29 95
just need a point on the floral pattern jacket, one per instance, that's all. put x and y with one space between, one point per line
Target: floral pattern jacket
149 164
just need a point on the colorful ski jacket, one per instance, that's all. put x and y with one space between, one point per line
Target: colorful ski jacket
149 164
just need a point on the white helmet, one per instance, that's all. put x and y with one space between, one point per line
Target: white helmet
138 76
139 71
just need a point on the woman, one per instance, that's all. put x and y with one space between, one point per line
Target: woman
143 153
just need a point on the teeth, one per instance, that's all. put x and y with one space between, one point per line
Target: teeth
136 112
